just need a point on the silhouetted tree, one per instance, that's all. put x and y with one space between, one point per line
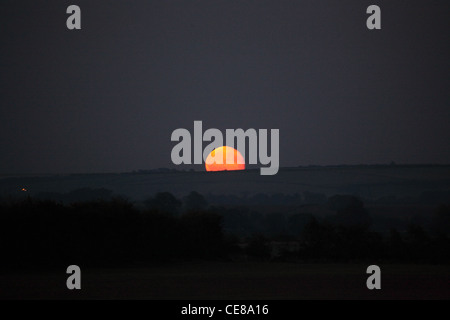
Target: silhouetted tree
318 240
297 222
275 223
441 221
396 247
194 201
418 242
159 236
164 202
350 211
201 235
357 243
238 220
258 247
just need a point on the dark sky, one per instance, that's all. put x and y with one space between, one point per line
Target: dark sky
107 98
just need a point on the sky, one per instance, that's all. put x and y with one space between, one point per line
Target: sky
106 98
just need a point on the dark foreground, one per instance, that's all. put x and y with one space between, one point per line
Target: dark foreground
231 281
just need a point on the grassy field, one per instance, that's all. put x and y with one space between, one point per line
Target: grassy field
228 281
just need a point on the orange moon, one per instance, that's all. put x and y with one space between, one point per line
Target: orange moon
235 160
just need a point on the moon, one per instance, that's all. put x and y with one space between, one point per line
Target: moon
231 160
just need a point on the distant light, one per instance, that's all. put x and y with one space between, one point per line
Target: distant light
24 190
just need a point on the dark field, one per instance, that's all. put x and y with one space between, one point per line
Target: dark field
234 280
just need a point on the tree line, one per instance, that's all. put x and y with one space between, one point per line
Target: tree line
37 232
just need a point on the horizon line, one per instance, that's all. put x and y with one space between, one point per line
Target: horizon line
191 170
